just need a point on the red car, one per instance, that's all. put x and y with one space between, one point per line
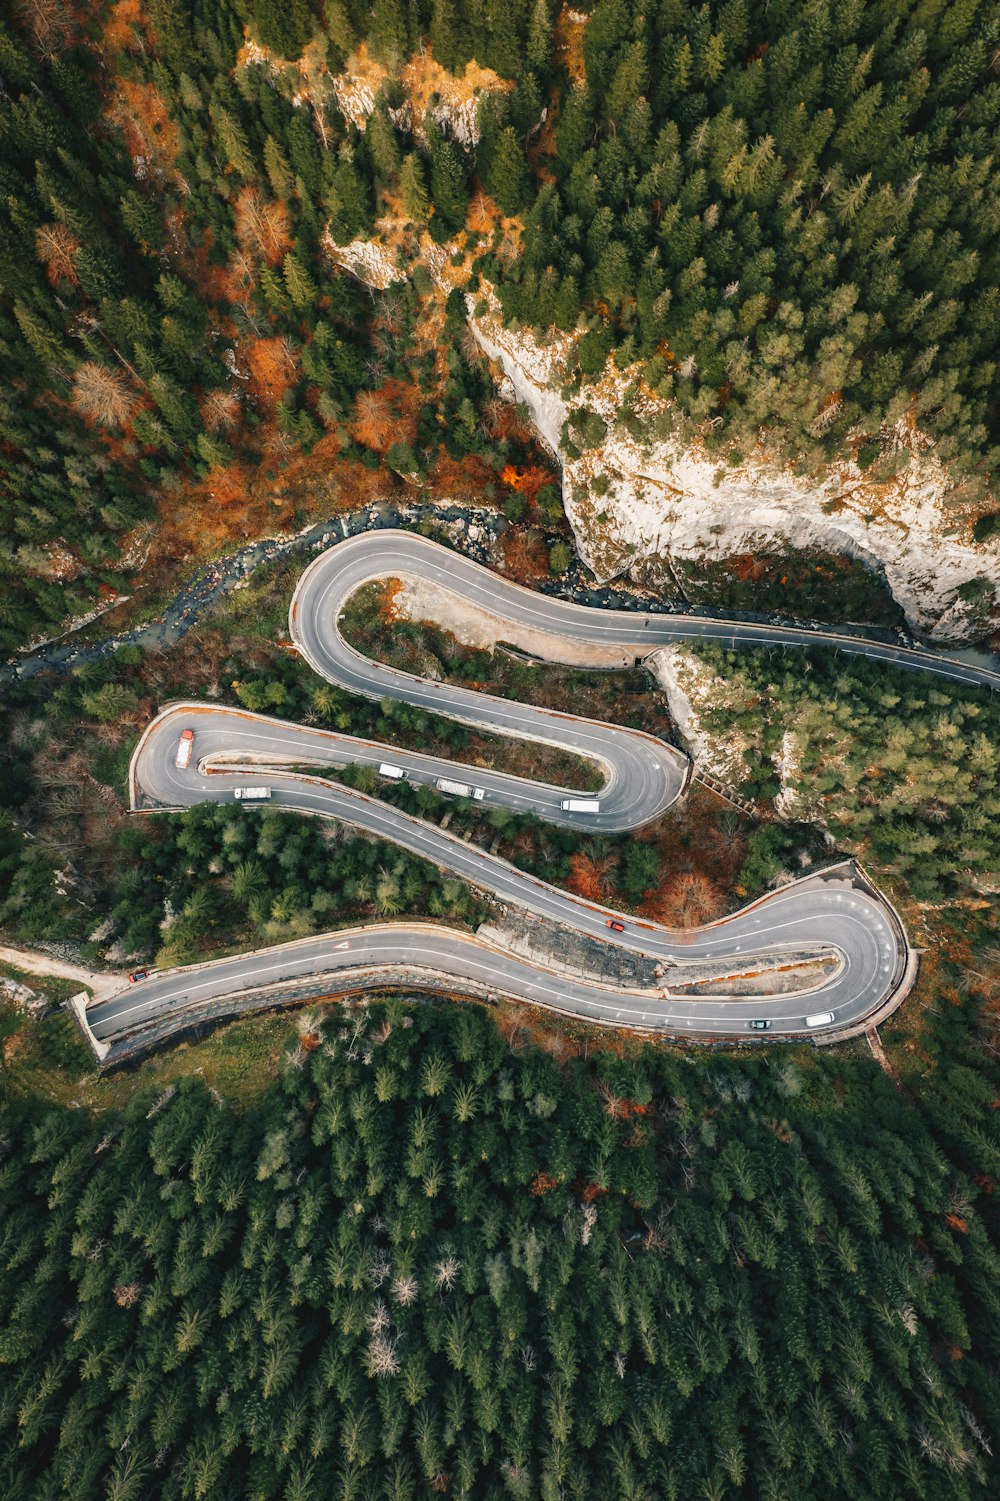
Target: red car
615 925
140 974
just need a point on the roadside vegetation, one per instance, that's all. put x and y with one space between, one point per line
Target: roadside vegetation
690 866
214 880
371 624
75 866
50 1063
807 585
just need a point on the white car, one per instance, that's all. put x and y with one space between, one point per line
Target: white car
820 1019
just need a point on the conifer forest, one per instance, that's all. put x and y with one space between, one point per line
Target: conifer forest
269 266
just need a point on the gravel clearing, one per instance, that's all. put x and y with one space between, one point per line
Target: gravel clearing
421 602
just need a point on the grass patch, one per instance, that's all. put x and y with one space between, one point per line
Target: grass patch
53 987
259 608
238 1060
109 764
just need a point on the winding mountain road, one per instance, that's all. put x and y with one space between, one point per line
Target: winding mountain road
837 912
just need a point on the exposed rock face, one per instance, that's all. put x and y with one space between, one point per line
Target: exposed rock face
633 500
369 261
453 100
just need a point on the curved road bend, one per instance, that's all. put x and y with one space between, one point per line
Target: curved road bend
644 775
331 577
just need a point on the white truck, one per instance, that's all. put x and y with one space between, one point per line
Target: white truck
252 794
185 746
394 773
460 789
580 805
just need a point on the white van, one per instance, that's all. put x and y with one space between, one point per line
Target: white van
394 773
820 1019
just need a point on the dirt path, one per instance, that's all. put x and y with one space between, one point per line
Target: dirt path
879 1054
44 964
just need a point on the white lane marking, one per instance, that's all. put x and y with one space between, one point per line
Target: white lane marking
475 864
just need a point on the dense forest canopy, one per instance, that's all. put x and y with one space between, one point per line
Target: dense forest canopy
788 213
902 773
431 1264
435 1259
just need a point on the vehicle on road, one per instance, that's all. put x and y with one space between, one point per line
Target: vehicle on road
185 746
139 974
759 1026
640 785
460 789
252 794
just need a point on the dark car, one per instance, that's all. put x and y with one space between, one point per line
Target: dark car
139 974
759 1026
615 925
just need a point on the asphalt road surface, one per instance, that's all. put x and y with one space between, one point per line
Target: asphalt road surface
836 913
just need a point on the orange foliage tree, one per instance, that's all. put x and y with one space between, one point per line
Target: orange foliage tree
589 875
220 410
55 246
50 24
102 395
373 418
261 227
272 368
686 900
527 481
386 416
525 554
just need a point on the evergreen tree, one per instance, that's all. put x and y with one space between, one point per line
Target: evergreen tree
449 190
380 136
284 26
449 36
388 31
538 51
413 188
507 179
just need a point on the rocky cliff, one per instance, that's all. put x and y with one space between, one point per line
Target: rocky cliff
632 499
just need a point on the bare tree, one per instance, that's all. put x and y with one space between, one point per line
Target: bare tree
102 395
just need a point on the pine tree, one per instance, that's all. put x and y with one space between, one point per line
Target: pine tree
383 145
389 32
507 179
279 172
538 52
233 140
449 36
284 26
449 189
413 189
301 287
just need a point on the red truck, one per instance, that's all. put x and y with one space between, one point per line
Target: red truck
185 745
